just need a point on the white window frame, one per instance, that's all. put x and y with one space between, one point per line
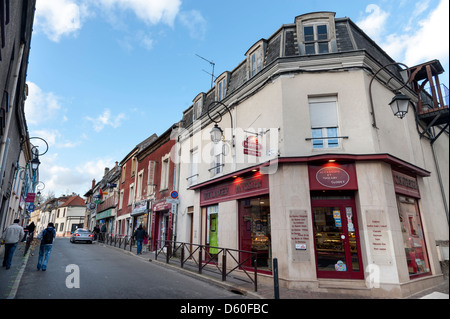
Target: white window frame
165 167
321 127
194 167
217 160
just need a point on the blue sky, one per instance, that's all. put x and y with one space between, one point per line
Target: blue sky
104 75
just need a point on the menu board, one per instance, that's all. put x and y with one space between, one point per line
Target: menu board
377 229
299 233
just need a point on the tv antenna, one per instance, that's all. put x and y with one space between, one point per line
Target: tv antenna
213 65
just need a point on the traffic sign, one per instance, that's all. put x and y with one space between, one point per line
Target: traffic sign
31 208
174 194
172 201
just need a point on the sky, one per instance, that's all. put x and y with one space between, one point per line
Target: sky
104 75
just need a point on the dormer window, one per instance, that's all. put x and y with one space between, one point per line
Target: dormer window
221 86
316 33
255 58
198 106
316 39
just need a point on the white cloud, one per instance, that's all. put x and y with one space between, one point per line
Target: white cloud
58 18
150 11
40 106
374 23
106 119
195 23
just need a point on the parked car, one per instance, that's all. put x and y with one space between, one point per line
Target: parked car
82 234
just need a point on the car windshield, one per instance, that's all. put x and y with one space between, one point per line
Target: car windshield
83 231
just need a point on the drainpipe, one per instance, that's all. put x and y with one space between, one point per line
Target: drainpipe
177 184
440 180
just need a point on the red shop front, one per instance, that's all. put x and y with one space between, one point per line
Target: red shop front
251 192
336 235
161 224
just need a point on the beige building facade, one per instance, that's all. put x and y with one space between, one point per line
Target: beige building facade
314 169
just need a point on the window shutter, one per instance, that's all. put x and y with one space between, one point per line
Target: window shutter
323 113
151 176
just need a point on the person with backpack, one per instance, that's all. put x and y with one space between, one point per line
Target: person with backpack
46 236
139 235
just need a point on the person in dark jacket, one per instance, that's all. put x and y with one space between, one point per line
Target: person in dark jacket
139 235
46 236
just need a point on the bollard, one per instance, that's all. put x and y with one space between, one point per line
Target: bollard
276 287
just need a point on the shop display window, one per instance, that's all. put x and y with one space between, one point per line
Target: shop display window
413 236
254 215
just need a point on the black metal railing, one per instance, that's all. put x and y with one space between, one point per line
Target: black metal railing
200 257
120 240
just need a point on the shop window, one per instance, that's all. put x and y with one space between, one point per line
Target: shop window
324 122
254 231
413 236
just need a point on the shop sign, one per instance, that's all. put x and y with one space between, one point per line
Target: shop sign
239 188
333 176
161 206
30 197
405 185
252 146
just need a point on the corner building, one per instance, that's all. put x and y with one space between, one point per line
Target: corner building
315 170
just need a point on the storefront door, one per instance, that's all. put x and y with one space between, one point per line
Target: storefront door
336 238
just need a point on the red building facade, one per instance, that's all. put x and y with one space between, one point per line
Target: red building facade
154 185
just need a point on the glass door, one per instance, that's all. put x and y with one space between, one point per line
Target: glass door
336 239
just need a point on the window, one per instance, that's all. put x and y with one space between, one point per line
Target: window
194 167
413 236
217 160
133 166
222 90
121 199
324 122
151 177
139 185
198 106
256 62
124 170
131 195
165 172
221 85
315 38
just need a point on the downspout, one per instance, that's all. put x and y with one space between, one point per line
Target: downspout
177 188
440 181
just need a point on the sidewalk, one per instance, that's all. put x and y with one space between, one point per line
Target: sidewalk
10 279
246 287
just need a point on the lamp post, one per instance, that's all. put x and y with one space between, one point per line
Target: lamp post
399 103
217 132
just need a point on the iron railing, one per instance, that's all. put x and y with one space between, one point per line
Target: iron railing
199 256
120 240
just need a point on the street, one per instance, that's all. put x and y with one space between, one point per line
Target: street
93 271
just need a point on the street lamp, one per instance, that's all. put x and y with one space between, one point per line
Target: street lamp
35 163
400 102
216 132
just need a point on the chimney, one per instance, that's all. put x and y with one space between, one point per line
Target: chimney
106 171
93 183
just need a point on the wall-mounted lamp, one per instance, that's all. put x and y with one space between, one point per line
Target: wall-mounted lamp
400 102
217 132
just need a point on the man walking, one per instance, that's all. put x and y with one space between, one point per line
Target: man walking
46 236
11 237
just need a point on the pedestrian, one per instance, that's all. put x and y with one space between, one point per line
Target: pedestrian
46 236
31 227
96 232
145 242
103 232
139 235
11 237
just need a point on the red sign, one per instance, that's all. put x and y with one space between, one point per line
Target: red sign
30 197
332 176
255 185
252 146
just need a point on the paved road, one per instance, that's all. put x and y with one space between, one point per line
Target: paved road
107 273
